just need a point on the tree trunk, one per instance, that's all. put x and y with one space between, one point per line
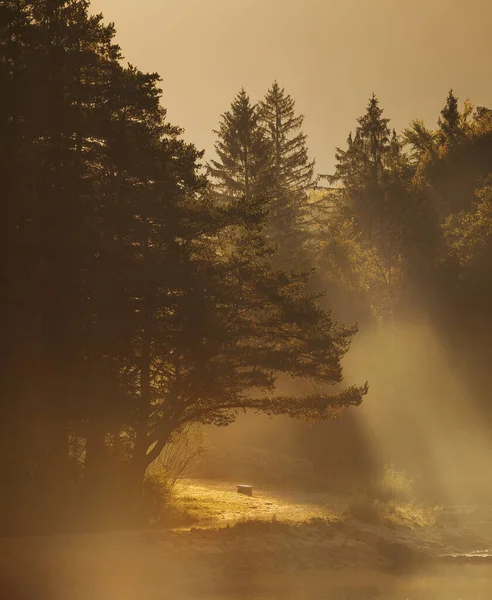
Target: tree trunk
138 464
141 443
95 453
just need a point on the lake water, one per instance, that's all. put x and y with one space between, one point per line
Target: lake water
450 583
79 569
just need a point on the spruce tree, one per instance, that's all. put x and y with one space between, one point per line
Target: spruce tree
450 122
372 172
242 153
290 176
361 168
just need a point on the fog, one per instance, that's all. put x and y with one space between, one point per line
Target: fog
421 411
292 216
420 415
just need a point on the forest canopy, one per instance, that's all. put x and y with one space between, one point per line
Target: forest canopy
138 299
143 294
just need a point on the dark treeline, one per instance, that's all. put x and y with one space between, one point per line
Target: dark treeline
141 295
137 298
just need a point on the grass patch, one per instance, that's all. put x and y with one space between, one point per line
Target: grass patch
393 513
217 504
213 505
261 526
394 503
409 515
163 508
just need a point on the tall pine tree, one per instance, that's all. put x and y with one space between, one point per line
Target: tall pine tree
371 171
450 123
290 176
242 153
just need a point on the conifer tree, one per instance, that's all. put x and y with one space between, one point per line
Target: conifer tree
290 176
454 160
242 152
450 122
373 171
130 309
362 167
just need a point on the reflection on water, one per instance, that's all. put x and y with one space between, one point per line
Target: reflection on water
109 571
451 583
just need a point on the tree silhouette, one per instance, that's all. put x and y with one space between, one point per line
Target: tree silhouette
291 174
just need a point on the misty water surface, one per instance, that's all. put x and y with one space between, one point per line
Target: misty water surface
451 583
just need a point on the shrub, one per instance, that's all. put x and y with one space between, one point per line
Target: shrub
393 503
396 485
182 453
156 494
177 460
409 515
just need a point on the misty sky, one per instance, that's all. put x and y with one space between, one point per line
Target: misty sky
330 55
